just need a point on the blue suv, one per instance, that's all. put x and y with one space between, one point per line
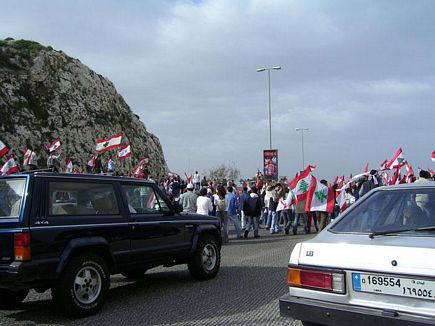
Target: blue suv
70 232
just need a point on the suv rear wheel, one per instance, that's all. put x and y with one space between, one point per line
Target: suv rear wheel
82 289
206 260
9 298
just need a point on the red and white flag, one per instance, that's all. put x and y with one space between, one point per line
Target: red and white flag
106 144
409 173
433 155
292 184
386 178
366 169
9 167
320 198
303 184
138 170
396 160
28 156
396 177
341 194
55 145
124 152
69 167
91 162
383 164
3 149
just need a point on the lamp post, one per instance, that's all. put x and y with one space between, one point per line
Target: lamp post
302 135
270 110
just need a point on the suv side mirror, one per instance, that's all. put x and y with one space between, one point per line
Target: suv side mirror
178 208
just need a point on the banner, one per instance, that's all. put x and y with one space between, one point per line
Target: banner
270 164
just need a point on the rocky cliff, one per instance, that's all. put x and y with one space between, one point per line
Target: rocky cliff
45 94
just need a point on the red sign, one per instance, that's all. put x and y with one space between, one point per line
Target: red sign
270 163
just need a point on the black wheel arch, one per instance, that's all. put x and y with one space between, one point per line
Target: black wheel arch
202 230
95 245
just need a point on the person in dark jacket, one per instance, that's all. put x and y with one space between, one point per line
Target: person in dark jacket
252 209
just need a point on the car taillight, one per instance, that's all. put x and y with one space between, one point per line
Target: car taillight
317 280
22 246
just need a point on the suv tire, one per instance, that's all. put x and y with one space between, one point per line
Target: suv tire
9 298
83 287
206 259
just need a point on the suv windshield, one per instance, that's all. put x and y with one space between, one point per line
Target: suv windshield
11 197
392 211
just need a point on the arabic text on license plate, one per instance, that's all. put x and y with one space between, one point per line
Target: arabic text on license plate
405 287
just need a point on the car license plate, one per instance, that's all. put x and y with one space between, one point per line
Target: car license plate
400 286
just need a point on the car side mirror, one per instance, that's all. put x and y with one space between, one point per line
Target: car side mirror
178 208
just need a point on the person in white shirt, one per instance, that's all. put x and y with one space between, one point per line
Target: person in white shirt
203 203
197 181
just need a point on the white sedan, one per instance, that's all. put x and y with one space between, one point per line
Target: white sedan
374 265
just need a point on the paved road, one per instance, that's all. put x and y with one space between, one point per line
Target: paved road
245 292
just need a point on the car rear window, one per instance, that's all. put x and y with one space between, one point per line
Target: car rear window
82 198
142 199
391 209
11 197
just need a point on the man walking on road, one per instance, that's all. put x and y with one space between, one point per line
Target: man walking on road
188 200
232 211
252 209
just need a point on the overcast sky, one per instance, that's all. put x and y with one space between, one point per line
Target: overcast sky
359 74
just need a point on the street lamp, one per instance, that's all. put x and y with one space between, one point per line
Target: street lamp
302 134
270 111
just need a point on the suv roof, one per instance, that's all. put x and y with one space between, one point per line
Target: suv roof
37 174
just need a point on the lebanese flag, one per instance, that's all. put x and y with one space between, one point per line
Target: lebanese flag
366 169
396 160
106 144
91 162
145 160
124 152
433 155
303 184
138 170
383 164
9 167
188 178
320 198
292 184
55 145
396 177
69 167
27 156
386 177
341 197
409 172
3 149
285 203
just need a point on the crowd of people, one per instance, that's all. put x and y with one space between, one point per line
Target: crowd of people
270 205
259 203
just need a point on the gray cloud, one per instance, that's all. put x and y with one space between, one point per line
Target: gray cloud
358 74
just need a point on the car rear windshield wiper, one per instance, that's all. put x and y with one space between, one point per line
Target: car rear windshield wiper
385 232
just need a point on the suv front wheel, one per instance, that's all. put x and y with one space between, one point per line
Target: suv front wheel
83 287
206 260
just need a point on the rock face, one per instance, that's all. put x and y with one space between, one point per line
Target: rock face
45 94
